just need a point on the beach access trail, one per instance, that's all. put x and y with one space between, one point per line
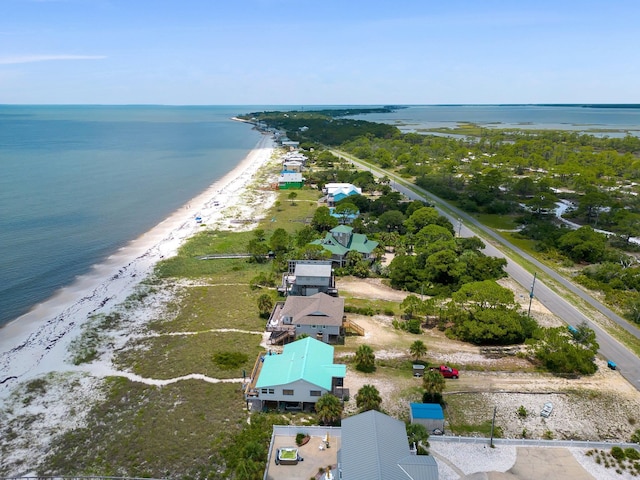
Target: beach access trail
37 342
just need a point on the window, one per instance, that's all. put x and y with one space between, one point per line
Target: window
264 390
315 393
272 391
287 392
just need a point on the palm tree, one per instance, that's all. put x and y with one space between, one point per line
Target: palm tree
433 383
368 398
418 349
265 304
365 359
329 409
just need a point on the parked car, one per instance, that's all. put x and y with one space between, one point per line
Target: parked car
546 410
447 372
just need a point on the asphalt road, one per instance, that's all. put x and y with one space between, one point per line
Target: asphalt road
628 364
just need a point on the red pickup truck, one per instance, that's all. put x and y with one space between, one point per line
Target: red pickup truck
447 372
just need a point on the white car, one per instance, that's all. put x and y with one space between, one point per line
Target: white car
547 409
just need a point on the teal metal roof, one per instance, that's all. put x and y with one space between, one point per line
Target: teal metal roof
426 410
342 229
307 359
358 242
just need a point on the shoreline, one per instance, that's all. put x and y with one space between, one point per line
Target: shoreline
48 327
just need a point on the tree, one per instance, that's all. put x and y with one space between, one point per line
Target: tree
391 221
555 349
412 306
433 383
280 241
485 294
365 359
306 234
346 211
322 220
368 398
265 304
313 252
258 250
292 197
583 244
329 409
421 218
417 435
418 350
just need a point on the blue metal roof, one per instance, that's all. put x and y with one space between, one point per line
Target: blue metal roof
426 410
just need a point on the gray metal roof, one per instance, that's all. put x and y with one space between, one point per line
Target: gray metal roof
313 270
375 447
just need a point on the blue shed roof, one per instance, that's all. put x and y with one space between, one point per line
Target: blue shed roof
427 410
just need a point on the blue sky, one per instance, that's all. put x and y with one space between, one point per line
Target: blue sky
297 52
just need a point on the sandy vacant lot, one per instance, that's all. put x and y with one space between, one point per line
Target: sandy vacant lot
600 407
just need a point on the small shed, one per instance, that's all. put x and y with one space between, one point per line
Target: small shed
428 414
418 370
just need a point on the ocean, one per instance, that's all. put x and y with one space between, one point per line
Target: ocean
79 182
600 120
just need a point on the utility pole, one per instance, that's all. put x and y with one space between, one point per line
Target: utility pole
531 293
459 226
493 423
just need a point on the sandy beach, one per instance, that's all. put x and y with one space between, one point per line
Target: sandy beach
37 342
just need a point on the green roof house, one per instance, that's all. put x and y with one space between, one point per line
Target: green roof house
297 377
341 240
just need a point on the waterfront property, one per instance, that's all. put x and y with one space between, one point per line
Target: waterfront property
288 180
296 378
341 240
308 277
319 316
375 447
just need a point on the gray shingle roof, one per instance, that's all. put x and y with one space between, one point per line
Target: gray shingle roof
318 309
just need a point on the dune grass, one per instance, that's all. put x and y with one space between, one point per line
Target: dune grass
147 431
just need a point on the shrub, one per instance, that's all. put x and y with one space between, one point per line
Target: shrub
522 412
617 453
414 326
230 360
300 438
631 453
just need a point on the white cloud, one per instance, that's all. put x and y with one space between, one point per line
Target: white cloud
46 58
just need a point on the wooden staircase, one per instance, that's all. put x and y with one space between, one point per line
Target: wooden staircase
353 328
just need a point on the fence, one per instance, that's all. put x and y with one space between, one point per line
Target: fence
526 442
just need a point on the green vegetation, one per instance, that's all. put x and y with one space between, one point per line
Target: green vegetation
368 398
560 352
329 409
196 429
365 360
